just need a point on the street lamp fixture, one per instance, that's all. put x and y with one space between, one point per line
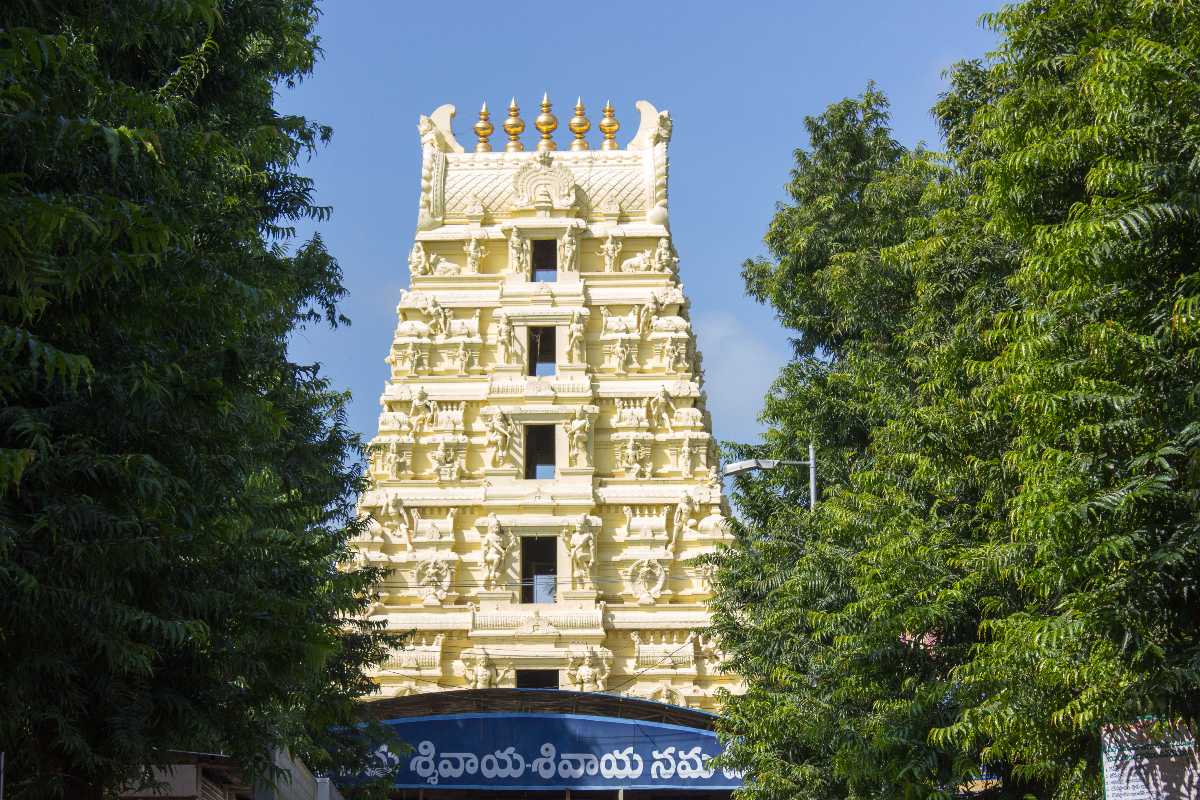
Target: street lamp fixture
749 465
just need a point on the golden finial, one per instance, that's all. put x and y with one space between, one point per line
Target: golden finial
609 127
579 125
546 123
484 129
514 126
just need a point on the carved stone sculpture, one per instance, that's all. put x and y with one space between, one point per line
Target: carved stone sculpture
588 673
462 359
581 546
576 345
568 251
481 672
685 511
579 431
395 512
447 464
421 410
664 257
622 357
660 409
646 315
418 264
475 250
646 577
635 459
610 251
642 262
625 323
435 578
443 266
499 436
520 253
494 545
506 342
686 457
674 357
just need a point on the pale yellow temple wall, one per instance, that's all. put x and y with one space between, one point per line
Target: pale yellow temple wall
635 500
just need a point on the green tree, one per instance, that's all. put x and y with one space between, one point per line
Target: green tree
997 363
176 495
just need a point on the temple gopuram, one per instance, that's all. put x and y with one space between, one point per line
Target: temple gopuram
544 475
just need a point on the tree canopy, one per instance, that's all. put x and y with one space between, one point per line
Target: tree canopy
996 356
176 494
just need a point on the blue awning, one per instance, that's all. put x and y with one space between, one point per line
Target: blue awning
531 751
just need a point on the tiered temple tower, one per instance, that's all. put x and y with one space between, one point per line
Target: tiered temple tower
544 473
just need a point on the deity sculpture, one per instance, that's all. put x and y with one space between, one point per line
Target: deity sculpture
567 250
417 263
660 409
576 346
499 435
685 510
581 546
712 479
635 459
482 674
664 259
520 253
506 342
686 456
494 544
394 510
461 358
475 251
439 318
609 251
434 578
588 673
446 465
579 430
646 315
622 356
421 410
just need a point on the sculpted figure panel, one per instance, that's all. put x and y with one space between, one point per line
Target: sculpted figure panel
421 410
520 253
499 438
475 250
434 579
568 251
495 544
610 251
581 547
660 409
588 673
635 458
576 344
506 341
481 672
646 578
579 434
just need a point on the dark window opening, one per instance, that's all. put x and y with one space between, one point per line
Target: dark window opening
542 346
539 452
545 260
539 569
537 679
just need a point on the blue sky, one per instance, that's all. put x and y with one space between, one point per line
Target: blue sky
738 79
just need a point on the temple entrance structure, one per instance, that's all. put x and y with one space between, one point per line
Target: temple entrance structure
515 743
544 475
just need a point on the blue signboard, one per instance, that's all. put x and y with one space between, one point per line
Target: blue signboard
554 751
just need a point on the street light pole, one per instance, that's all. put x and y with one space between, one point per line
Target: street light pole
741 467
